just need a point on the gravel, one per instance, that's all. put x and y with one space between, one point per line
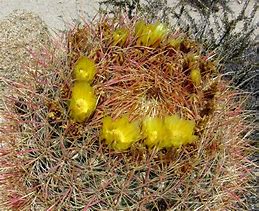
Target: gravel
21 33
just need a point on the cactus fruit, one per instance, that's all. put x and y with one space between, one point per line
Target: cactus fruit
70 145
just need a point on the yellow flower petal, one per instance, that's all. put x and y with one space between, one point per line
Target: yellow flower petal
107 130
149 34
125 133
153 131
179 132
158 33
139 28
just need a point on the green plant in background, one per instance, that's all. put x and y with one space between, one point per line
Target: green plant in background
124 123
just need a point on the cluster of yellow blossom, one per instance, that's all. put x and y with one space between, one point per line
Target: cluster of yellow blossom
171 131
121 134
151 35
83 99
146 34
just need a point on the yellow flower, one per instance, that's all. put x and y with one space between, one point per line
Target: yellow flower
120 36
196 76
84 69
153 131
149 34
120 134
83 101
179 132
107 130
158 33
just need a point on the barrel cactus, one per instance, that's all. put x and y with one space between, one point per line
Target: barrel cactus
132 116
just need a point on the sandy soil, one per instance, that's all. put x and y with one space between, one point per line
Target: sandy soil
55 13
